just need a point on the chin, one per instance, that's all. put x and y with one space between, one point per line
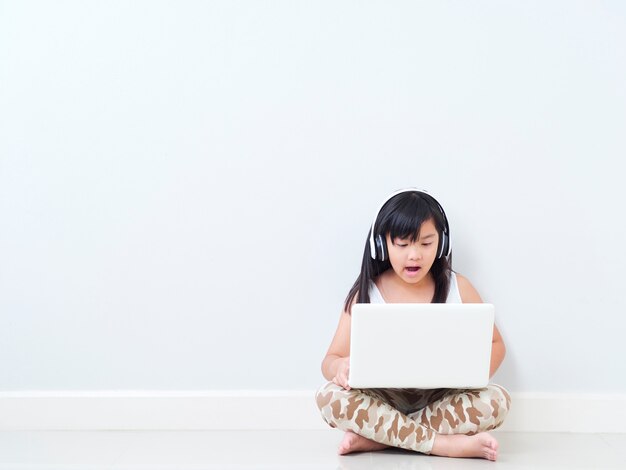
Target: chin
412 279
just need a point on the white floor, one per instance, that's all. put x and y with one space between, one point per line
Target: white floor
232 450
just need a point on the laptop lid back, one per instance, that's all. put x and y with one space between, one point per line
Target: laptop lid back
420 345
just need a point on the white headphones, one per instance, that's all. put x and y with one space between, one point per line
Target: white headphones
378 245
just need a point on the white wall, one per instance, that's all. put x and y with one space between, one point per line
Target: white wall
186 187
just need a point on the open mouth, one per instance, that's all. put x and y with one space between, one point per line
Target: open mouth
413 269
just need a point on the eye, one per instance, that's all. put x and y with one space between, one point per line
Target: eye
427 244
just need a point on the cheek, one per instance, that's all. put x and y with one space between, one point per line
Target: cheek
431 255
395 257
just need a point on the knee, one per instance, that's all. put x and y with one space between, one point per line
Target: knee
324 395
332 400
501 401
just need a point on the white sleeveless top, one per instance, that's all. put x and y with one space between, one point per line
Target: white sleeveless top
454 296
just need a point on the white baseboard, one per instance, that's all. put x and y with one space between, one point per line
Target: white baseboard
268 410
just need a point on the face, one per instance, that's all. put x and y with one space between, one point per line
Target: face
412 261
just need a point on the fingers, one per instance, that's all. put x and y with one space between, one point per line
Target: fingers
341 377
345 381
342 381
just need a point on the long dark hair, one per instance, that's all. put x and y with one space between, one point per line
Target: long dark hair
402 217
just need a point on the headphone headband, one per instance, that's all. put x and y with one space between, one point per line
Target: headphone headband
446 228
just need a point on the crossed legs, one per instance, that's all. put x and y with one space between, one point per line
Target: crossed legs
439 422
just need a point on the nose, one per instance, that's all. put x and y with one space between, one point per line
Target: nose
415 253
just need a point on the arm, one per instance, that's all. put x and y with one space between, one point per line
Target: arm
336 363
470 295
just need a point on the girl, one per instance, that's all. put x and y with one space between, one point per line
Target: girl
407 259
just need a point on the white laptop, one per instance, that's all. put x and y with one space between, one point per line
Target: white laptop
420 345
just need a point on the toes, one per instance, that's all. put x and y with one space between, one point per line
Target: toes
344 449
491 455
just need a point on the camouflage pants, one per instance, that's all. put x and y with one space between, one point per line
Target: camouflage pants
410 418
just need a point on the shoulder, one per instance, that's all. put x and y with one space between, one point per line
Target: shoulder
468 292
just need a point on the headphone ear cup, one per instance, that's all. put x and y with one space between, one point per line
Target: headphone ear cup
444 245
381 252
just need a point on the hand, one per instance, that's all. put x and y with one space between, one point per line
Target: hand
343 371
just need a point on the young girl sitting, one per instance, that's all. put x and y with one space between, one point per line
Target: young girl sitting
407 259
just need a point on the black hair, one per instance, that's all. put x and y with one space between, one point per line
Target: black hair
402 217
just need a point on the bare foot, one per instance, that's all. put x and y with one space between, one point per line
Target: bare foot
354 443
482 445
